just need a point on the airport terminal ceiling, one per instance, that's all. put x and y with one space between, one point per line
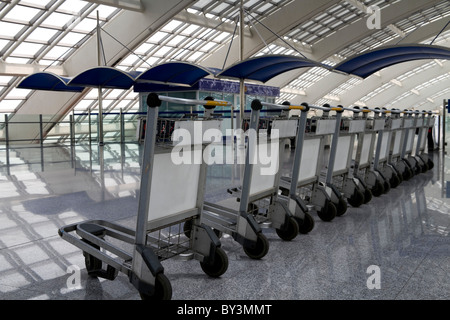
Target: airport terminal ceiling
60 36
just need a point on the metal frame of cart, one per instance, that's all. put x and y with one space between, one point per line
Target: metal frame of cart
169 217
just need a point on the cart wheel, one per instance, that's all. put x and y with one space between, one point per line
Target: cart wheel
163 289
377 189
328 212
424 167
219 266
187 228
367 195
394 181
290 232
357 199
261 248
342 207
305 225
430 164
386 186
407 174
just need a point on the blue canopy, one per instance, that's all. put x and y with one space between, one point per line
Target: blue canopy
365 64
176 73
48 81
264 68
105 77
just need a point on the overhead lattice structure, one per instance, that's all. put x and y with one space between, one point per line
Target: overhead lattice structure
60 37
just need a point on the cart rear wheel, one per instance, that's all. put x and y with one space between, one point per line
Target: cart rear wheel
219 266
187 227
430 164
291 230
377 189
328 212
305 225
357 199
386 187
394 181
367 195
342 207
261 248
163 289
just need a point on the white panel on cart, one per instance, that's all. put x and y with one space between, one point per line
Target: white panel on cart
419 122
174 187
397 143
310 159
384 145
265 168
423 139
342 153
286 128
357 126
411 135
396 123
379 124
365 151
325 126
408 123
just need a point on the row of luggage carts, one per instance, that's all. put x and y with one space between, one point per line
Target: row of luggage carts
337 161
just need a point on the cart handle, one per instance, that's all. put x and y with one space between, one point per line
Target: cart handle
155 100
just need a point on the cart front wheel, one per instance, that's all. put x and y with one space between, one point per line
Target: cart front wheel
341 207
386 186
290 231
305 225
260 249
357 199
430 164
367 195
219 266
328 212
163 289
377 189
394 181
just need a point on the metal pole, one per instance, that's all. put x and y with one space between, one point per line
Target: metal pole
7 141
444 116
41 132
241 57
122 127
100 102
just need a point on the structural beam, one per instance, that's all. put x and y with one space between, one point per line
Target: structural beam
132 5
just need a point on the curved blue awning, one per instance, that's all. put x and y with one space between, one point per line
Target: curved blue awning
48 81
175 73
363 65
264 68
105 77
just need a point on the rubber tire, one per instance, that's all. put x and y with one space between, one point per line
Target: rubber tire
261 248
407 174
378 189
430 164
219 266
367 195
327 213
394 181
305 225
342 207
163 289
291 232
386 186
357 199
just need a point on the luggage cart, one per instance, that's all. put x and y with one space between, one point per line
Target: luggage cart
389 142
339 173
428 122
311 138
169 218
254 204
416 142
365 151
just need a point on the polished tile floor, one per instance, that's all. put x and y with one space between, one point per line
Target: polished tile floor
402 236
